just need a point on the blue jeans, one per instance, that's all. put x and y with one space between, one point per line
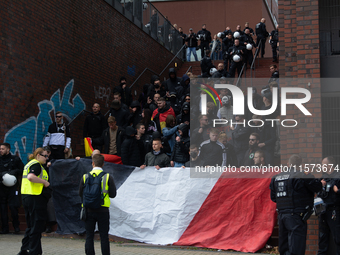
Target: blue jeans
178 164
214 56
193 50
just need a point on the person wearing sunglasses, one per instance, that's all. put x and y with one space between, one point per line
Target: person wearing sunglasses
254 140
35 195
58 138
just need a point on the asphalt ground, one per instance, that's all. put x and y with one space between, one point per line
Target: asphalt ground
54 244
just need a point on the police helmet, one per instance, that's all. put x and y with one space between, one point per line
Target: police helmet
249 46
236 58
9 180
213 70
237 35
220 34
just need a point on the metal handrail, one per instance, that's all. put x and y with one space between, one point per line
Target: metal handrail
78 115
172 59
240 74
253 63
190 67
146 69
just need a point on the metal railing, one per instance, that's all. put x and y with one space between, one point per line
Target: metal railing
146 16
190 68
252 66
244 68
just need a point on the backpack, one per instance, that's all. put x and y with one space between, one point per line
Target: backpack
92 193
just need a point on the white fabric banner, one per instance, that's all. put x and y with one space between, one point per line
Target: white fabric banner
156 206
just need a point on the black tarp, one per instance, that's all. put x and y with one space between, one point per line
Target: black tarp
65 175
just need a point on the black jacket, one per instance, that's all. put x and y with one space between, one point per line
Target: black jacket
182 117
104 139
11 164
125 94
192 40
206 35
94 125
206 65
171 83
121 116
180 152
267 135
136 117
131 150
261 30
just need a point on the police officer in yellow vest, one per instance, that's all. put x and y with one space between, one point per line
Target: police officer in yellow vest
100 215
34 198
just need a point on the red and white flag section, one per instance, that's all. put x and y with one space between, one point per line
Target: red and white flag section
166 206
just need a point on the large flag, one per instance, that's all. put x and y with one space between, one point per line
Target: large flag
167 206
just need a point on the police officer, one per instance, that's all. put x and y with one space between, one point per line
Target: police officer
205 37
245 40
35 195
329 222
9 164
100 215
206 65
293 193
273 40
238 51
227 43
262 34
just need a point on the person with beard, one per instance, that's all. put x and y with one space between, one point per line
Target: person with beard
180 153
56 139
169 132
240 136
135 115
212 152
117 96
254 140
206 65
12 165
200 133
184 116
220 71
124 91
131 148
156 157
173 81
205 37
194 159
159 115
94 125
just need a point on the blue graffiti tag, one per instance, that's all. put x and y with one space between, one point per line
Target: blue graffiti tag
25 137
131 70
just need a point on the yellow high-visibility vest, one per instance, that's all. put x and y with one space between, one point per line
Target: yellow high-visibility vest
104 185
31 188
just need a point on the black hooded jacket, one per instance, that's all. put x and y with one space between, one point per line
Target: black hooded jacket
94 125
180 152
135 117
132 149
171 84
182 117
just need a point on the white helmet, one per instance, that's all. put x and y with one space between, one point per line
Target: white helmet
236 58
9 180
249 46
213 70
237 35
219 34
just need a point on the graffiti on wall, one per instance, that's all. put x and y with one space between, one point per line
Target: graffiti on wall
103 94
25 137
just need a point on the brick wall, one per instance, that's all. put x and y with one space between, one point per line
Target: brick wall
46 45
300 58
